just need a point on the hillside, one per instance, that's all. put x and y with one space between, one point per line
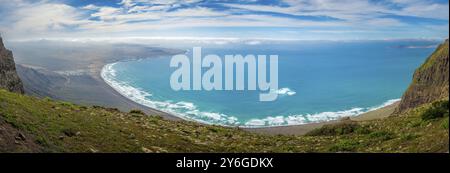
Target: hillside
430 81
8 75
28 124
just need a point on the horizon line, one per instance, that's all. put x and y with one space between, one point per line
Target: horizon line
190 38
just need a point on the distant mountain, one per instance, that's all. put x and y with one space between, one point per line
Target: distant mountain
40 82
9 79
430 81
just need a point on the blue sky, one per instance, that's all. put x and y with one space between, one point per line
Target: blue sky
248 19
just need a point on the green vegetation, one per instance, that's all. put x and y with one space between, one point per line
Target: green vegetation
345 146
441 50
438 109
381 135
339 129
445 124
62 127
137 112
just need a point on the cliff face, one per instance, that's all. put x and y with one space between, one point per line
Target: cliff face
430 81
9 79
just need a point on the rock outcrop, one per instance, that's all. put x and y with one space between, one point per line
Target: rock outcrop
9 79
430 81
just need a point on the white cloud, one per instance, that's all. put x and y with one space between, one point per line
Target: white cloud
49 18
435 11
195 12
44 17
385 22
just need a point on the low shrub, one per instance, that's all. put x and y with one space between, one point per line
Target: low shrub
438 109
408 137
344 146
381 135
339 129
112 109
445 124
136 111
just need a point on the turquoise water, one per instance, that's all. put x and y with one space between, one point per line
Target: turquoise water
318 81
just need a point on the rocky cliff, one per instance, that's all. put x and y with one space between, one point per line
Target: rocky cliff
430 81
9 79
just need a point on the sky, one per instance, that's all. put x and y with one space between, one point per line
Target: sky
243 19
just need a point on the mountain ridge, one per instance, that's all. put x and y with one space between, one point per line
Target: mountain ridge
430 80
9 78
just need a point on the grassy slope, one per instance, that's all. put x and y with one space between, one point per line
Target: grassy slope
63 127
441 50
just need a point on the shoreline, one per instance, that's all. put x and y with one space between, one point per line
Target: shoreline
301 129
96 70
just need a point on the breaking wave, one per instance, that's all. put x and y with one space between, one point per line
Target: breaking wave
284 91
189 111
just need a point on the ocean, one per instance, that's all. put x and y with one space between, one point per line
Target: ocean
318 81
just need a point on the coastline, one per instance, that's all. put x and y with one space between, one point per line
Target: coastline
305 128
302 129
130 104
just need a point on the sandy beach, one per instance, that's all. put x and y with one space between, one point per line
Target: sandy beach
126 105
303 129
281 130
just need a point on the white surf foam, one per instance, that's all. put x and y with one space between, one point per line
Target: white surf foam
313 118
185 110
284 91
189 111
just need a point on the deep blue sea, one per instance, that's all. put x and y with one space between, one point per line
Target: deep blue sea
318 81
